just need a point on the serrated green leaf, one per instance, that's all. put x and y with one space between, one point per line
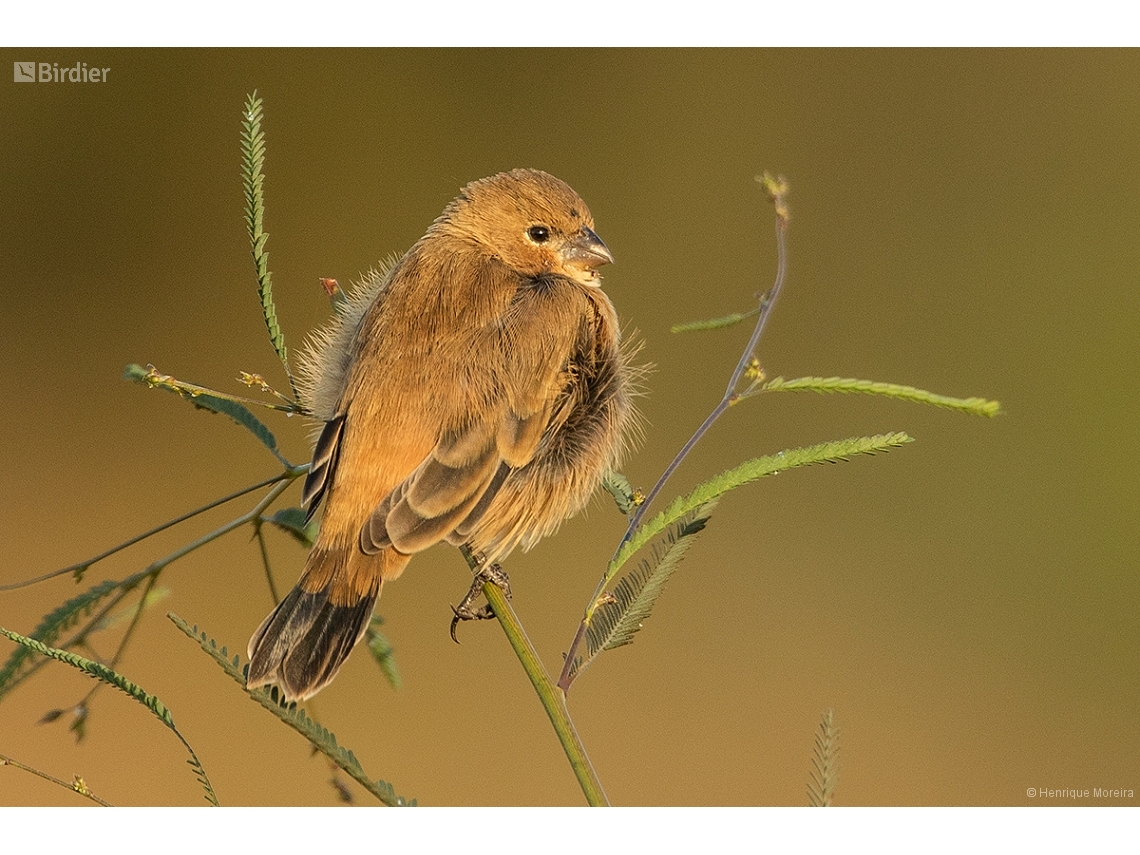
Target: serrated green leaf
295 717
201 398
54 623
253 160
240 414
825 452
827 385
824 775
629 605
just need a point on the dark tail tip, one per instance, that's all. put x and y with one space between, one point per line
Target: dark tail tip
304 641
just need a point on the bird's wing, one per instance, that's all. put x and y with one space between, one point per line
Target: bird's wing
325 457
455 484
441 492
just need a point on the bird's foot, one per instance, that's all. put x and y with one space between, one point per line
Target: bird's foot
492 573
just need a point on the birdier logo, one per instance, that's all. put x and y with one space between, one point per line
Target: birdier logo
50 72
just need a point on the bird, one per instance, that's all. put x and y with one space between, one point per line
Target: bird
474 391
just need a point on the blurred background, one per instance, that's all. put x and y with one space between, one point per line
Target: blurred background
963 221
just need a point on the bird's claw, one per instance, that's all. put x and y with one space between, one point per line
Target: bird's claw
464 611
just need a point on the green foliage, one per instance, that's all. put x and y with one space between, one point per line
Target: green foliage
825 452
292 521
825 763
320 738
113 678
825 385
55 623
253 161
130 613
242 416
625 610
206 399
611 619
617 485
382 651
713 324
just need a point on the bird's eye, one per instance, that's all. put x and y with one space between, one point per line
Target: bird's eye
538 234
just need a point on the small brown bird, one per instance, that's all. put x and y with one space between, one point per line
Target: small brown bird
475 392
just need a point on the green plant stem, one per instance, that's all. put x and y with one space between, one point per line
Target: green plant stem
320 738
553 699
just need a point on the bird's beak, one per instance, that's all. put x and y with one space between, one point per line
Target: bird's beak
587 250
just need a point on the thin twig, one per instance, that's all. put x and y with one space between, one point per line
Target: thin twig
83 565
77 786
156 379
135 618
154 569
265 563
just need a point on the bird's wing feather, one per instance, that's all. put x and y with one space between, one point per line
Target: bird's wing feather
436 497
325 457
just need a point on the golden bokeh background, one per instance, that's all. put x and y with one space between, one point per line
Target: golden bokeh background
963 221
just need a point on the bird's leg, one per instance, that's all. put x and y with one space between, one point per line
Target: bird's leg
492 573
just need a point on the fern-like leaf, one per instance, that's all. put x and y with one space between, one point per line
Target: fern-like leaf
294 716
626 609
825 452
240 414
54 624
253 161
112 678
826 385
617 485
825 763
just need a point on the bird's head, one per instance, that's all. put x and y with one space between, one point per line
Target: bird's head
533 222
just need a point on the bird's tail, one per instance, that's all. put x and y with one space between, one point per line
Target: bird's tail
304 641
